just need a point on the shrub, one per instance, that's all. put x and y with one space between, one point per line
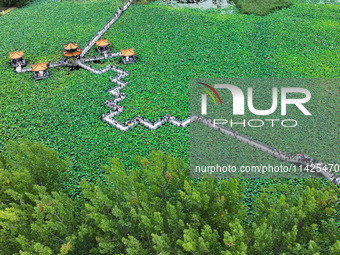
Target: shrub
17 3
261 7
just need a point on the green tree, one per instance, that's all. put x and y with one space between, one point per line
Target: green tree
45 166
32 219
161 208
295 220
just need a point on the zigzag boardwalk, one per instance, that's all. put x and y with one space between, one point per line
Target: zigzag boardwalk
116 109
109 118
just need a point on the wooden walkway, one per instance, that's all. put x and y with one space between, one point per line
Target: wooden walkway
108 24
297 160
109 118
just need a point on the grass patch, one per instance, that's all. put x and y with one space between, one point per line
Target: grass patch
261 7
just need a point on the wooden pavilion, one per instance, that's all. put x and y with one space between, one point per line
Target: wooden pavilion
71 50
128 55
17 58
40 71
103 46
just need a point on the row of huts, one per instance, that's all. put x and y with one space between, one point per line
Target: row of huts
71 52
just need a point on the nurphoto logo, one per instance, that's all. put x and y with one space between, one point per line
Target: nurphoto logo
238 105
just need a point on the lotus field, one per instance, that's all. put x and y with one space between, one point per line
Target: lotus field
173 45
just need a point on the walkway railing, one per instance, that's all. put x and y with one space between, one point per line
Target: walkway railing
108 24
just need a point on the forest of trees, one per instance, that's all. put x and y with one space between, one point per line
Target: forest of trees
155 209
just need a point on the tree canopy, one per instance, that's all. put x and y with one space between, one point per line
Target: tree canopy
155 209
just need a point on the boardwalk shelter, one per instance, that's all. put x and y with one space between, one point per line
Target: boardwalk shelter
40 71
71 50
103 46
17 59
128 56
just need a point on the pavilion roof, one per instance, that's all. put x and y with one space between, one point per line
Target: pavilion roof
16 54
39 67
70 46
128 52
72 54
102 42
